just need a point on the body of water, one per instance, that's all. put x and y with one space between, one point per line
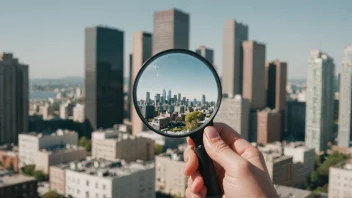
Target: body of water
40 95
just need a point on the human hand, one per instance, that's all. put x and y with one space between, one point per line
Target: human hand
239 166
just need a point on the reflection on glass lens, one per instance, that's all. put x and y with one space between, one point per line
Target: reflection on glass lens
177 93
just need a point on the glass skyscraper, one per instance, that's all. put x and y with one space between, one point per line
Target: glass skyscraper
103 76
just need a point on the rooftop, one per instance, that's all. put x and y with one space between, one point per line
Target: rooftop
62 149
14 179
289 192
112 134
59 132
173 154
109 169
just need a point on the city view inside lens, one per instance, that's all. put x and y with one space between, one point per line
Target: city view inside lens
177 93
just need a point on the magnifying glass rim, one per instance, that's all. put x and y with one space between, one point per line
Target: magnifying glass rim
180 51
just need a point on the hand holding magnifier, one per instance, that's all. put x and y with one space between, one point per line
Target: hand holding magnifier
177 93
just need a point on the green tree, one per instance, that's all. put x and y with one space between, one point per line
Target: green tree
319 179
158 148
86 143
28 170
40 176
192 119
52 194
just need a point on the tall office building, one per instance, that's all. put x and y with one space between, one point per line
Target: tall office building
171 30
103 77
142 50
235 113
296 120
253 74
207 53
320 100
169 97
203 100
179 97
232 69
275 87
345 111
13 98
147 98
269 126
275 84
164 95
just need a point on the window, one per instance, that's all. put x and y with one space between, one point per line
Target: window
96 185
87 182
87 194
104 187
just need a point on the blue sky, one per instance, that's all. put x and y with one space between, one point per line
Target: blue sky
182 74
49 35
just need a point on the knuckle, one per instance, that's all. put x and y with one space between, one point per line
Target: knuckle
221 147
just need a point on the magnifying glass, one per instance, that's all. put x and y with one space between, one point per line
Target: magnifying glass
177 93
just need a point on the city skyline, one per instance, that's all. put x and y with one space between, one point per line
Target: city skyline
68 51
167 71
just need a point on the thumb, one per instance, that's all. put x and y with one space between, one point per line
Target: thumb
218 150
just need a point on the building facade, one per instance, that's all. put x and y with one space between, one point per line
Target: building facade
345 102
234 33
171 30
142 50
57 178
57 155
340 180
78 113
13 98
18 186
169 174
235 113
254 74
296 120
104 58
269 126
100 178
207 53
112 145
320 100
31 143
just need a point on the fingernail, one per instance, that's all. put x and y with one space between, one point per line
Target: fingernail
211 133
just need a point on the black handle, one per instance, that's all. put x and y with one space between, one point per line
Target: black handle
207 170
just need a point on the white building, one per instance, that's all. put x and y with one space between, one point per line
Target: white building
320 101
44 158
302 158
169 171
66 110
104 179
31 143
345 102
78 113
113 144
166 142
340 180
235 113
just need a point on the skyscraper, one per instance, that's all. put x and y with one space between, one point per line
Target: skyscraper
253 74
320 100
103 77
235 113
169 97
345 106
234 34
275 86
207 53
179 97
164 95
13 98
147 98
171 30
142 50
203 100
